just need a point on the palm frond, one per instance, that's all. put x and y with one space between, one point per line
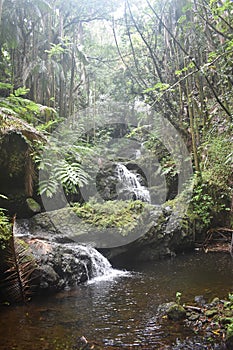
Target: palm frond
19 268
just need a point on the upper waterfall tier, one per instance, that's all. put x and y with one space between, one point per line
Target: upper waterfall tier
130 182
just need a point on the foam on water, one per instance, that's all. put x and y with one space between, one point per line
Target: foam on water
110 275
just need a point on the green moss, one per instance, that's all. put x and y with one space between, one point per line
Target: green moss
123 215
176 312
33 205
5 229
211 312
229 336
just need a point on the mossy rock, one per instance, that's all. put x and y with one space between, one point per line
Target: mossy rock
229 337
176 312
33 205
211 312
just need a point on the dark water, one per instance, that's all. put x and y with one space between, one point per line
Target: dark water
121 312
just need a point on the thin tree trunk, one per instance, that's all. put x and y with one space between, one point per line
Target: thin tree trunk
192 128
1 6
72 78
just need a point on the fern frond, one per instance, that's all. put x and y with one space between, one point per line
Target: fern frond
19 268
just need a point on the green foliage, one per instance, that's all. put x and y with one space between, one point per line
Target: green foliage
178 297
185 69
230 329
230 297
69 175
23 107
123 215
5 229
22 91
5 86
60 163
217 161
20 265
26 109
228 321
158 87
202 204
212 189
56 50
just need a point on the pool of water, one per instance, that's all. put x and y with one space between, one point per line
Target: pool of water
119 312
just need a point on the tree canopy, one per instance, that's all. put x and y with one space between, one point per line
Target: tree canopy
58 58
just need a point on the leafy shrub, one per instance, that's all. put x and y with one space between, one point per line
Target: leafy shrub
217 161
212 190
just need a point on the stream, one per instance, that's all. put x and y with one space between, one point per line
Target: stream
119 310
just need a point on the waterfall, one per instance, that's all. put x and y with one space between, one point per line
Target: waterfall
101 269
130 183
69 260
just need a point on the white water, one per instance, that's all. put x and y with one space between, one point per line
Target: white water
130 182
102 270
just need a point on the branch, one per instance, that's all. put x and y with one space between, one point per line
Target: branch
191 73
146 43
132 49
192 59
121 56
223 19
76 20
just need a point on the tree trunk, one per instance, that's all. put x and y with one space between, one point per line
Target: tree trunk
1 5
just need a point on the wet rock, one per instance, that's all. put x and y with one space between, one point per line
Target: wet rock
159 233
215 301
211 312
163 308
199 300
212 324
59 265
193 317
176 312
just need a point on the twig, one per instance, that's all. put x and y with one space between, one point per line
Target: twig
193 308
231 246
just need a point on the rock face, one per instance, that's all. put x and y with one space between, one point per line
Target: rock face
59 266
17 176
62 244
166 234
59 262
161 233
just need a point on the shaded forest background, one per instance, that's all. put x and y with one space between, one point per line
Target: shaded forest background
58 58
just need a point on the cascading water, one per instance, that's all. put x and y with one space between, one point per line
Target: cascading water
101 269
68 259
129 182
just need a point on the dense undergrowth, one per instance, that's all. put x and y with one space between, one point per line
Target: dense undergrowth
211 203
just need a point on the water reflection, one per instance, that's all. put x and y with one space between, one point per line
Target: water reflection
119 312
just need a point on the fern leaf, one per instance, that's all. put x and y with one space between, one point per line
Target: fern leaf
20 266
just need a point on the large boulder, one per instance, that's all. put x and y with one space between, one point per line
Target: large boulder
58 266
18 139
158 232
